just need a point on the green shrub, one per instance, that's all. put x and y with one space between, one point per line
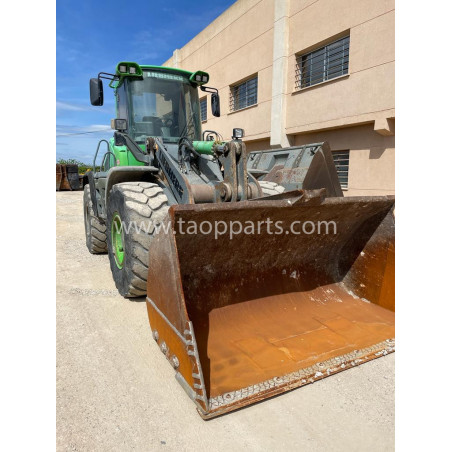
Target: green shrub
82 167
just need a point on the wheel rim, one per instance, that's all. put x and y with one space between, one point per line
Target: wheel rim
117 240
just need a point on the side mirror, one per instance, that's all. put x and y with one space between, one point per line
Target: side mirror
215 102
96 92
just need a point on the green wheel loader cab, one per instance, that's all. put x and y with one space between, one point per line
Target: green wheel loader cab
160 103
154 101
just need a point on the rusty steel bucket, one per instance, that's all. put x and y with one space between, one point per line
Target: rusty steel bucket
72 176
59 176
67 177
243 317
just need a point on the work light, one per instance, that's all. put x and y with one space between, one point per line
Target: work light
238 133
132 70
119 124
122 68
198 77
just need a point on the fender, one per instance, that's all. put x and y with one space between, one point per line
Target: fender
120 174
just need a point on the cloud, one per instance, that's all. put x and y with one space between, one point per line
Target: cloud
70 107
68 131
98 127
77 104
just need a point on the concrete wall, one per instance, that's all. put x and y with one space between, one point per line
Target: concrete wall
371 170
354 112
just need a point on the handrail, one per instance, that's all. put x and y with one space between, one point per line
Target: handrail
97 151
103 161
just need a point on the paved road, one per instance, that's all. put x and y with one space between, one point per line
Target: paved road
116 392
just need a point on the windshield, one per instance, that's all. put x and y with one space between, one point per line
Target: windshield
163 104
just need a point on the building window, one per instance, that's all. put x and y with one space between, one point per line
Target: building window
243 95
341 160
203 103
323 64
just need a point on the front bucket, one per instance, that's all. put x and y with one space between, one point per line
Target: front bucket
243 316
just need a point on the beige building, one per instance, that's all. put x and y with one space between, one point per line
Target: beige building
291 72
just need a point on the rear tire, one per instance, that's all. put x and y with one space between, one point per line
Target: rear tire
271 188
136 207
95 234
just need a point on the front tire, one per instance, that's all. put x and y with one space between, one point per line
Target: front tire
134 208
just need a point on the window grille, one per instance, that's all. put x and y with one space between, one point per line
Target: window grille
341 160
243 95
323 64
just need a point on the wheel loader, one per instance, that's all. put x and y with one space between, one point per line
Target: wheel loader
259 275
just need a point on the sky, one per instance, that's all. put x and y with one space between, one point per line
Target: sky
93 36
